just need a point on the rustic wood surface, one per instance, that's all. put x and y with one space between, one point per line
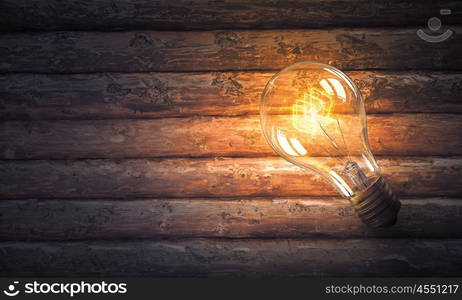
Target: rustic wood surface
412 134
216 14
205 257
154 95
141 51
130 143
225 218
219 177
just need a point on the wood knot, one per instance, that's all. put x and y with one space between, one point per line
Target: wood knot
355 46
456 87
156 91
243 173
117 89
141 40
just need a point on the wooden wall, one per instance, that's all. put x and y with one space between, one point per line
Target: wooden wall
130 141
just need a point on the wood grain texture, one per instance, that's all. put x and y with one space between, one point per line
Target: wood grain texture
237 218
153 95
204 257
411 134
72 52
215 14
220 177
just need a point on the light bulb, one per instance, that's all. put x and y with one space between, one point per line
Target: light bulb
312 114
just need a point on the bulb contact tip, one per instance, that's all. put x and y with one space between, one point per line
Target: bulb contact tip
377 206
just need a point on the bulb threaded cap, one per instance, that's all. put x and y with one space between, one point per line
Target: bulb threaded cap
377 206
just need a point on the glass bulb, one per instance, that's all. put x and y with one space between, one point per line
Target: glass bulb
312 115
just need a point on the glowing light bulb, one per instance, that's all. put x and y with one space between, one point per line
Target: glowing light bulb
312 114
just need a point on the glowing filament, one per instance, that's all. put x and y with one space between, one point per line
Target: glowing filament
316 106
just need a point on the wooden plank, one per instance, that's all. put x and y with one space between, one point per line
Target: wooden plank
205 257
237 218
77 52
411 134
215 14
220 177
143 95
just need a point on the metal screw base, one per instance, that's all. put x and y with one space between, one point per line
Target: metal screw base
377 206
